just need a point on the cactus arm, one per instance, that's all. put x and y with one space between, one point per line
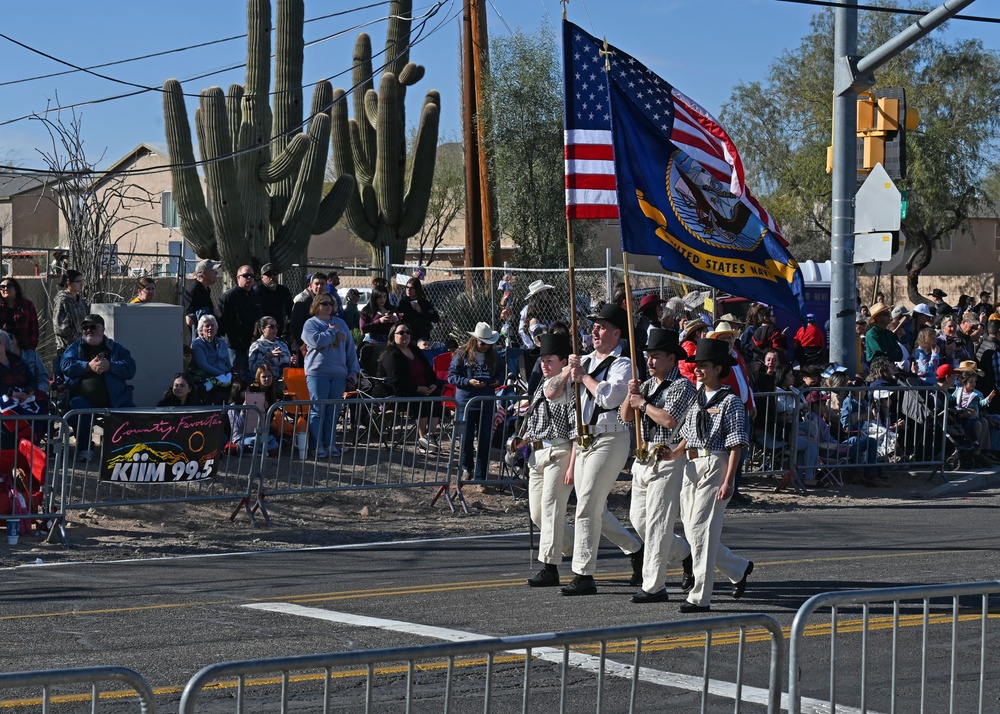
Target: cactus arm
220 173
371 107
285 164
369 203
234 112
333 205
341 134
364 145
258 77
195 219
397 36
422 169
411 74
390 160
292 237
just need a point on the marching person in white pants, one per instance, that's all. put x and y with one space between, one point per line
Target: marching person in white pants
603 375
712 436
658 471
550 430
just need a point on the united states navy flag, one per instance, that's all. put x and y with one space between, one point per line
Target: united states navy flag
679 184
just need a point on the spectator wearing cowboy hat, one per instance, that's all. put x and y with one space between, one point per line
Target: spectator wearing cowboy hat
938 296
603 377
971 405
650 315
476 371
540 303
694 329
879 340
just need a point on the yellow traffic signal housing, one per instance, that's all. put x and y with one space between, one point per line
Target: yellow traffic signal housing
888 115
866 113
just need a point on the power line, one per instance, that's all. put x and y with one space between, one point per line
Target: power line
420 37
895 10
144 89
176 50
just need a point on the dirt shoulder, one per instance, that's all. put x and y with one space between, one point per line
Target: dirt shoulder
349 517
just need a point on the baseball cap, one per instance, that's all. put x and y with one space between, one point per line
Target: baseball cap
944 371
924 309
92 319
899 311
202 265
269 269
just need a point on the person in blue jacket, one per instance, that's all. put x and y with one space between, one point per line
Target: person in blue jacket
97 371
477 370
331 367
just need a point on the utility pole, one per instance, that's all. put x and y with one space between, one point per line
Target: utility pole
470 144
852 74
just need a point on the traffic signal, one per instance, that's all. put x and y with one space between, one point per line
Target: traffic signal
883 120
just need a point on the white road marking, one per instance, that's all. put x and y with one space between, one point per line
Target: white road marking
753 695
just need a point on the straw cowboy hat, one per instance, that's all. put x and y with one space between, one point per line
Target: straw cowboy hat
723 329
485 333
538 286
877 309
970 365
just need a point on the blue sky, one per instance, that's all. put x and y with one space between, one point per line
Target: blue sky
704 47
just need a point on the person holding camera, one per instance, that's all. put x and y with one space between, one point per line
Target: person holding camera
880 341
378 317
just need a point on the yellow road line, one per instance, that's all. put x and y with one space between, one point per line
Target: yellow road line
437 588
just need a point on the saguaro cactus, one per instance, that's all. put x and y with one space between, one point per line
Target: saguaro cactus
264 175
385 209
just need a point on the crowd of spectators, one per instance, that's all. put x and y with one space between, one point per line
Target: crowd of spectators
241 346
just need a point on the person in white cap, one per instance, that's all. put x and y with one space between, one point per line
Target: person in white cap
476 371
539 304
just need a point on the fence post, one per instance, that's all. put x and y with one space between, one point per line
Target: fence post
608 286
388 267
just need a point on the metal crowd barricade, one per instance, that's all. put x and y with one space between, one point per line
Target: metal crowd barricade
31 461
378 445
498 415
632 668
774 438
952 661
55 685
888 426
234 475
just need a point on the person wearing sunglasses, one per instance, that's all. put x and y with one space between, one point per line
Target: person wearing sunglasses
97 371
331 367
17 314
409 374
240 309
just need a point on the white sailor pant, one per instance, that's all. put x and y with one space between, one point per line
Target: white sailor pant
702 513
597 469
656 501
548 495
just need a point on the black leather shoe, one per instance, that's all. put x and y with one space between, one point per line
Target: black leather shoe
687 582
642 597
580 585
687 607
740 586
544 579
636 558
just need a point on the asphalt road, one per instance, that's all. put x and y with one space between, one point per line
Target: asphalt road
168 618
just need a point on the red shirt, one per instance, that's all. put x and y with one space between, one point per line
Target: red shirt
810 336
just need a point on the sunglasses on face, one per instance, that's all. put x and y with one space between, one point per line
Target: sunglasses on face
248 276
89 328
326 304
6 287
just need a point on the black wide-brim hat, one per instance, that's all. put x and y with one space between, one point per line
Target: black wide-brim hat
665 340
610 312
939 293
714 351
555 344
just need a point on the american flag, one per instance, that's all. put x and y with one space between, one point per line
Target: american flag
590 167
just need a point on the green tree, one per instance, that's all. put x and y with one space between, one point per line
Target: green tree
782 126
524 119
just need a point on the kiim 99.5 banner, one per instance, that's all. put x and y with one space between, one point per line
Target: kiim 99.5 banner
156 448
